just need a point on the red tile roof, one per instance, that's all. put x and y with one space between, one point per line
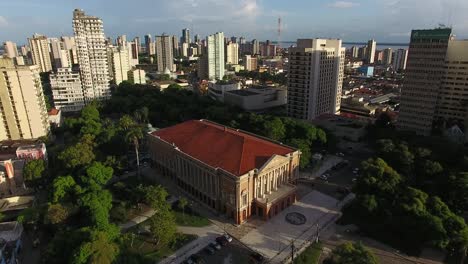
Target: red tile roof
53 112
234 151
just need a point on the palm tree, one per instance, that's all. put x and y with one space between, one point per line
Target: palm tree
133 135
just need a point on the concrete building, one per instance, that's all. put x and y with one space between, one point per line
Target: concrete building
387 56
32 152
175 46
316 69
366 70
371 47
232 54
132 48
24 112
119 63
250 63
165 53
137 76
223 177
354 52
423 79
67 91
257 98
217 90
92 56
150 46
11 50
202 69
40 52
185 36
61 57
55 117
215 52
255 47
399 59
184 50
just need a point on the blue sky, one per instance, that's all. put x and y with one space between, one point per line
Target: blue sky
353 20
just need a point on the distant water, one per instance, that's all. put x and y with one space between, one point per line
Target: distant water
380 46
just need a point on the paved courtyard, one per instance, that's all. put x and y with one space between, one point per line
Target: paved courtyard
273 239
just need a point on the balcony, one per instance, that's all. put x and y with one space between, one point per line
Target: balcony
282 192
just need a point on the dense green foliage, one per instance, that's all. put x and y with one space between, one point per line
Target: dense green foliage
34 171
351 253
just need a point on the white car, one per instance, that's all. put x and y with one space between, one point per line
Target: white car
228 238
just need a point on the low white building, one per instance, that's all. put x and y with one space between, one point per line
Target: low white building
67 91
217 90
55 117
257 98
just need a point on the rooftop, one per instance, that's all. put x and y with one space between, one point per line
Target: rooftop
53 112
232 150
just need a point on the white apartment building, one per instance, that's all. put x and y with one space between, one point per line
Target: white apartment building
215 52
61 58
21 117
387 56
371 46
11 50
132 48
165 53
40 52
232 56
66 90
315 78
399 59
137 76
92 56
250 63
119 63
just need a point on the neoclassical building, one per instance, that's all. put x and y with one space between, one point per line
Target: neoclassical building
231 171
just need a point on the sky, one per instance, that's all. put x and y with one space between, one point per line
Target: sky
351 20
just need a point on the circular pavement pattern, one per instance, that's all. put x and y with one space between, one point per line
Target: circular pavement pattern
296 218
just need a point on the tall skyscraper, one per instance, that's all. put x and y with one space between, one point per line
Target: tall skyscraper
197 39
423 77
121 40
215 52
66 90
354 52
40 52
24 112
175 46
150 46
11 51
119 63
164 53
371 46
92 55
61 58
315 78
399 59
137 42
250 63
255 47
234 39
185 35
387 56
232 56
132 48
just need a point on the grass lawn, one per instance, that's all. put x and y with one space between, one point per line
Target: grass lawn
190 220
143 248
311 255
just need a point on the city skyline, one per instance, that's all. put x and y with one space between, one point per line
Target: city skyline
359 20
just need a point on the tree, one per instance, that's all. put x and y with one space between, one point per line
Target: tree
155 196
90 112
133 135
34 170
97 205
56 214
306 155
162 226
82 153
351 253
98 249
97 175
182 204
174 86
275 129
63 187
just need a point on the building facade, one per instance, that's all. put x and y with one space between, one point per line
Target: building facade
40 52
164 53
21 117
11 50
137 76
316 69
67 91
399 59
215 56
92 56
371 47
250 63
232 53
119 63
387 56
257 98
423 77
222 177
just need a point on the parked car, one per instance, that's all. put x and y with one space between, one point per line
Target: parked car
215 245
324 177
222 241
209 250
228 238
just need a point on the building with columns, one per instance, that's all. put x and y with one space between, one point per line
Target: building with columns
230 171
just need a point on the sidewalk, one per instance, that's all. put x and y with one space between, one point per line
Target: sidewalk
137 220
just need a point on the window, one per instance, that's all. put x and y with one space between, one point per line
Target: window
244 199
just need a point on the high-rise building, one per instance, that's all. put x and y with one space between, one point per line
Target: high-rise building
121 40
92 55
40 52
232 56
387 56
215 52
423 76
137 76
66 90
61 58
250 63
119 63
197 39
132 48
255 47
10 49
315 78
150 45
362 53
184 49
399 59
137 42
185 36
70 46
24 112
175 47
371 47
165 53
234 39
354 52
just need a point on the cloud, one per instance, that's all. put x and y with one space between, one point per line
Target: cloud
3 22
343 4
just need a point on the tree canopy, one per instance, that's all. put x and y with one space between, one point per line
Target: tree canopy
351 253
